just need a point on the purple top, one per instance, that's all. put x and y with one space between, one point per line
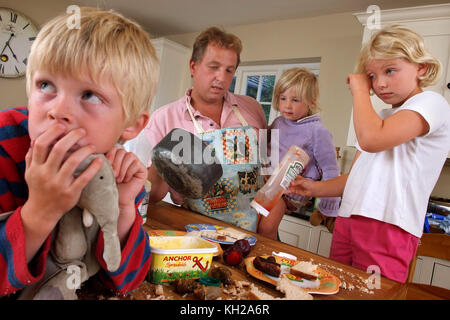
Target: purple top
309 134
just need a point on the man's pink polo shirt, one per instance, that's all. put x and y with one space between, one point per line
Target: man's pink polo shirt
175 115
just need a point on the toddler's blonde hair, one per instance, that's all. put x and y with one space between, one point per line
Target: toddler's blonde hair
109 47
395 42
306 88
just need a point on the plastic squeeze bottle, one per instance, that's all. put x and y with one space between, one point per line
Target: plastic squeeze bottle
292 164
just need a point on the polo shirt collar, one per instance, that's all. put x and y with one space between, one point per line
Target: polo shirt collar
228 102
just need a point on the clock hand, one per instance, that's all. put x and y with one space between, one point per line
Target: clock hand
14 55
7 43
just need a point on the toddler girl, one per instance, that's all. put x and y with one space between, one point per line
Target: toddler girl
295 96
400 155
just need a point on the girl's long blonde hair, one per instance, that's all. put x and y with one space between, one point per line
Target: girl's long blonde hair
395 42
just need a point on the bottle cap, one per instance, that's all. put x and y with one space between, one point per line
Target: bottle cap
259 208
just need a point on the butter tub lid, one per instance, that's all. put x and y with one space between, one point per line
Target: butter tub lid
181 245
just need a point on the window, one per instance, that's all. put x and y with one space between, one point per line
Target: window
258 80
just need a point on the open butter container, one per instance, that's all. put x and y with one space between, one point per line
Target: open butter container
180 257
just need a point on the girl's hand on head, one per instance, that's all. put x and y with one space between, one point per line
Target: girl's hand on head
130 175
359 83
302 187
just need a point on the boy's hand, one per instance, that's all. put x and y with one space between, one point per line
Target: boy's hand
130 175
53 190
359 83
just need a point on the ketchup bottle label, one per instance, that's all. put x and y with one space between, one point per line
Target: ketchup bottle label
291 172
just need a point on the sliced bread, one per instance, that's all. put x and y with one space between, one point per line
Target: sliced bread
233 233
305 270
291 291
255 294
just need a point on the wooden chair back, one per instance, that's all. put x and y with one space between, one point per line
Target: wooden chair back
433 245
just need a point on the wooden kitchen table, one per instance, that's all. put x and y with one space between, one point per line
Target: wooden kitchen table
165 216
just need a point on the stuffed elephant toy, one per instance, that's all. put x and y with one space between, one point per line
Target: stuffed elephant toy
76 235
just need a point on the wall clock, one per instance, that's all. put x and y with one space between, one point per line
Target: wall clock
17 33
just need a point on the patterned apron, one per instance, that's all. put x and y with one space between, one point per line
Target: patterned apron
237 150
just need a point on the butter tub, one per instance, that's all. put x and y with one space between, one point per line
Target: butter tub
180 257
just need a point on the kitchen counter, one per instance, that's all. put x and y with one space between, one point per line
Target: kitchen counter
354 286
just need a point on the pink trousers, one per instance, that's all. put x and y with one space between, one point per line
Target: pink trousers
362 242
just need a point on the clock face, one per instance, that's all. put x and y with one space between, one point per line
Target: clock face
17 33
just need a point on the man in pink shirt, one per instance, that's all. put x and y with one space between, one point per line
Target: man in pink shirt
211 107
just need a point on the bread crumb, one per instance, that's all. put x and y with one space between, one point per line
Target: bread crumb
159 290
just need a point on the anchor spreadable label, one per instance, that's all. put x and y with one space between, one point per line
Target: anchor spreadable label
180 257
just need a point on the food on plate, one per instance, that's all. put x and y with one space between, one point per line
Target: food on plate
305 270
232 233
220 234
243 246
225 234
212 234
232 256
223 274
267 265
292 291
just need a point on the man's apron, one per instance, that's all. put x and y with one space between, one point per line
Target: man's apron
237 150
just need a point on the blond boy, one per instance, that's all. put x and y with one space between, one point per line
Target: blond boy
88 88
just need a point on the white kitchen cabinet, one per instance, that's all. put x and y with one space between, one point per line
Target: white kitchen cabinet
173 71
432 271
433 23
300 233
172 85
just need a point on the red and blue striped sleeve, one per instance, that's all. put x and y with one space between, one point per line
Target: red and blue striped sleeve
15 272
135 261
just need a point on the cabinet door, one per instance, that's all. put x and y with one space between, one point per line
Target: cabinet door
295 234
441 275
324 243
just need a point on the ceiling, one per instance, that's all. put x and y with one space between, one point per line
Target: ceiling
168 17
